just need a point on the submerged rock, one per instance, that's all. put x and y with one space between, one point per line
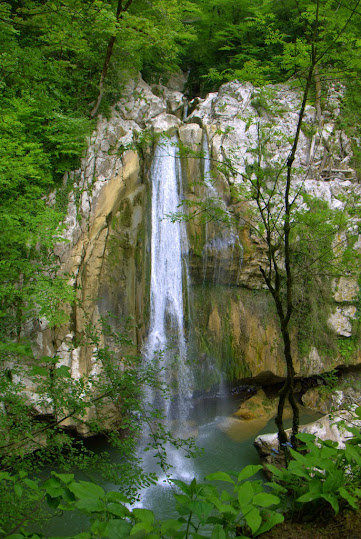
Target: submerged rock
258 406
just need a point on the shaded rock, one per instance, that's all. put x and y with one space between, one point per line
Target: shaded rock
345 393
323 400
258 406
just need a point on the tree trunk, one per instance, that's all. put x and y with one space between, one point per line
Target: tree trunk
316 77
108 55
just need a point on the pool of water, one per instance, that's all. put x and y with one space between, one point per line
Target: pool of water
227 444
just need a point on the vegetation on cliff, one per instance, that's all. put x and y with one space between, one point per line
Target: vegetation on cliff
53 56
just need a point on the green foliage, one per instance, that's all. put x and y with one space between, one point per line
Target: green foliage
266 41
315 263
330 380
249 509
348 348
320 474
52 55
33 444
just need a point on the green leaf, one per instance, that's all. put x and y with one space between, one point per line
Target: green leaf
39 371
144 515
221 507
253 519
265 500
245 493
181 498
118 510
306 437
116 529
309 497
141 527
181 485
18 490
5 476
272 520
353 452
63 371
201 509
248 471
296 468
220 476
90 504
275 471
218 532
98 527
348 497
31 484
85 489
113 496
332 500
64 477
276 487
54 492
170 525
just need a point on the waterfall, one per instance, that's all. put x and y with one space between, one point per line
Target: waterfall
165 348
223 238
166 343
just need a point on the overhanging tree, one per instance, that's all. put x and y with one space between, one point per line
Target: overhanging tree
276 197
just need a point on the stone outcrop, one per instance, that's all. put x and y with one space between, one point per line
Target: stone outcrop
106 253
340 392
329 427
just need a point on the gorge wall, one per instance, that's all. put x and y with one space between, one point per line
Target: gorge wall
231 321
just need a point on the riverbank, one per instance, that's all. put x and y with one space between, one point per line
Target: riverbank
346 524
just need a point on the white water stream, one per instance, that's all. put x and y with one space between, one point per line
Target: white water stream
166 346
166 343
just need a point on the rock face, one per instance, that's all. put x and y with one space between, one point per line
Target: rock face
234 325
337 394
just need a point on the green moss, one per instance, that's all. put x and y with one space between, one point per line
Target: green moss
125 213
219 352
138 199
348 348
309 130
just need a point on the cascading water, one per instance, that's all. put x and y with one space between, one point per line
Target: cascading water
223 238
165 347
166 342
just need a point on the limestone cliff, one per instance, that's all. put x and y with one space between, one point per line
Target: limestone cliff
233 326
